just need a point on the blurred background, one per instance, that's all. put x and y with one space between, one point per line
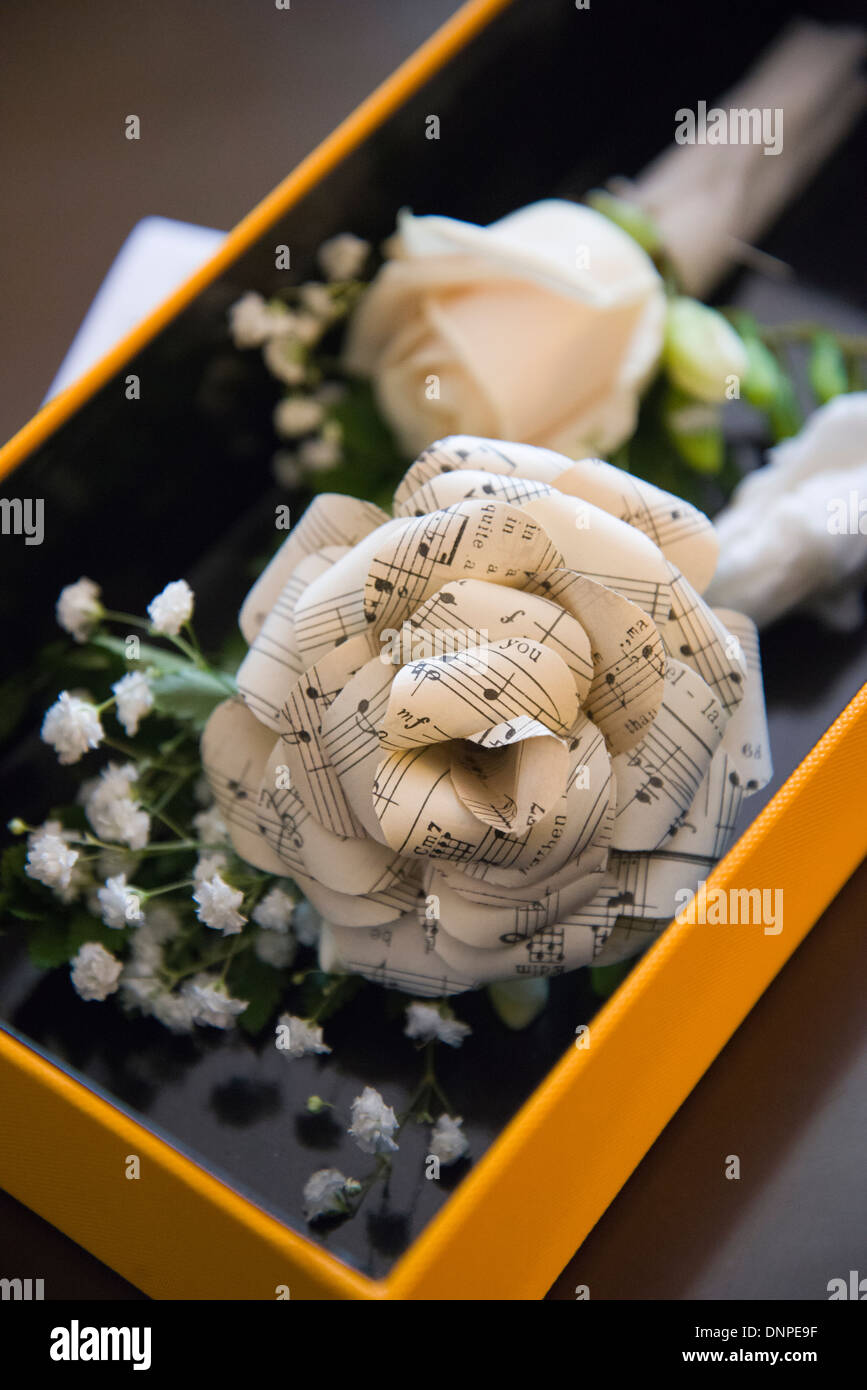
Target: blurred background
230 96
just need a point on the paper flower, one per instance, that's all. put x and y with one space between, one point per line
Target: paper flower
543 327
492 736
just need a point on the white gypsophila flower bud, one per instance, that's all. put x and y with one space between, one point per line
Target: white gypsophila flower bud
319 300
171 608
49 858
320 454
80 880
217 905
210 1002
448 1142
286 360
306 924
207 865
327 1193
275 949
330 393
147 953
210 826
138 987
134 699
253 321
111 862
71 726
286 469
297 415
298 1037
163 922
342 257
173 1011
79 609
274 912
112 811
119 904
425 1023
373 1123
95 971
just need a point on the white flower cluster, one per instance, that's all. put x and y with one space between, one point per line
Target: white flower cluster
79 608
112 810
95 971
448 1142
71 726
373 1123
134 699
51 861
217 905
328 1193
119 904
171 608
299 1037
286 336
425 1024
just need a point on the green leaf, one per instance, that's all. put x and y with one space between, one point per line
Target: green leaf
762 380
827 368
191 694
149 655
48 943
85 927
694 429
251 979
12 864
15 696
784 414
372 463
628 216
605 979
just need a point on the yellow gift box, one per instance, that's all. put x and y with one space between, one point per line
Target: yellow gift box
518 1217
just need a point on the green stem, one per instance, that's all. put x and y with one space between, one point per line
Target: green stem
804 332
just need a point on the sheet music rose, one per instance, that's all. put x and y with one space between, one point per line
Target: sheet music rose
559 742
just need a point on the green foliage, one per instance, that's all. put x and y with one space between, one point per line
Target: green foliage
372 463
190 694
827 368
251 979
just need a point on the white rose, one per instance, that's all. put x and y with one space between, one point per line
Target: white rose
542 328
